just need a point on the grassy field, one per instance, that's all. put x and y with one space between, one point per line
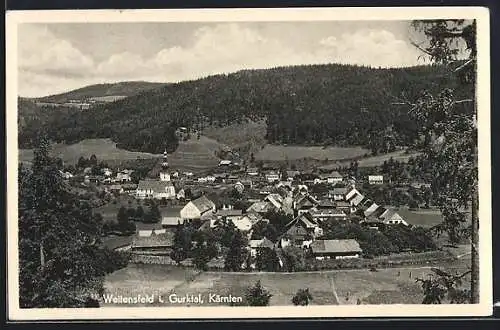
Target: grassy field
279 153
422 218
110 210
385 286
104 149
195 155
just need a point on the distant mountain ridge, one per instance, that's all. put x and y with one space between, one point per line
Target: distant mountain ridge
332 104
121 89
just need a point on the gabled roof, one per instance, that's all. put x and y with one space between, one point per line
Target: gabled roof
203 204
326 204
171 221
261 243
275 199
296 231
259 207
371 209
228 213
339 204
155 185
335 246
328 212
340 191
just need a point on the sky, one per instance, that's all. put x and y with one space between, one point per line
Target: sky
58 57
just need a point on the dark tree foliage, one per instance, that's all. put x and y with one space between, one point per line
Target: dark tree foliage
257 295
313 104
267 260
237 253
61 262
302 297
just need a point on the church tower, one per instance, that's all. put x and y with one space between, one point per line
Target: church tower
164 164
164 175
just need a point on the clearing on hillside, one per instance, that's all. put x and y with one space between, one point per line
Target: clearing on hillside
280 153
104 149
195 154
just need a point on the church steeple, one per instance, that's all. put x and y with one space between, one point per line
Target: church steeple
164 164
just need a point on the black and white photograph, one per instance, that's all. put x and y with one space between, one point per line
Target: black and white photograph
249 163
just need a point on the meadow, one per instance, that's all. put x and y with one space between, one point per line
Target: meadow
280 153
336 287
104 149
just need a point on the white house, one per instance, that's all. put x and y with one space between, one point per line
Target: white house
273 176
375 179
225 163
123 176
195 209
155 189
391 217
107 172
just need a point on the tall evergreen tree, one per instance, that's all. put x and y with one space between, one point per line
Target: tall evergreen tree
58 240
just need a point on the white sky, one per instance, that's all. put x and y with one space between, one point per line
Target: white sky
55 58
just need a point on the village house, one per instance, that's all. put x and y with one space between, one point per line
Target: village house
224 163
243 224
335 249
391 217
229 214
375 179
370 210
154 244
195 209
321 215
128 188
258 244
124 176
260 207
252 171
345 207
354 197
338 193
155 189
275 199
272 176
304 203
301 231
171 222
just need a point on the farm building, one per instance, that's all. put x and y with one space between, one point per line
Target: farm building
375 179
228 214
171 222
253 171
155 189
391 217
156 244
195 209
301 231
335 249
330 178
354 197
257 244
327 214
303 203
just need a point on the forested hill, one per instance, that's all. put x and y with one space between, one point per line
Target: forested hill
126 88
317 104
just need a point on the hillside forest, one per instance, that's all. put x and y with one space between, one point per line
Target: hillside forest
341 105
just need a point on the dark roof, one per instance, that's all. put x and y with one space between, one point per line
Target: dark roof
340 191
156 185
326 203
155 240
203 204
296 231
335 246
225 213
